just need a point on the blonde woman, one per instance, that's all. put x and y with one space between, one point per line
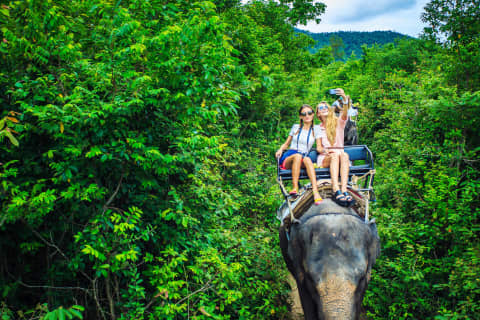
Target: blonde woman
298 144
331 154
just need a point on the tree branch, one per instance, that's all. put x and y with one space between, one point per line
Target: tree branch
204 288
105 206
51 244
53 287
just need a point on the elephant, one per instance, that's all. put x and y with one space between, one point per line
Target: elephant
330 253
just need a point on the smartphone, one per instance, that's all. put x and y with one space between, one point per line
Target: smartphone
332 91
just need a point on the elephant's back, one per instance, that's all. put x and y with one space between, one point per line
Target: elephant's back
327 208
329 217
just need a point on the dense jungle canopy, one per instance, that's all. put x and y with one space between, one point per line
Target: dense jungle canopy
137 171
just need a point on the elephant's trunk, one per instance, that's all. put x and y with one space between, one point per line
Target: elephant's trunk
336 299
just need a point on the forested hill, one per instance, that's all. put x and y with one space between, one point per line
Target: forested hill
353 40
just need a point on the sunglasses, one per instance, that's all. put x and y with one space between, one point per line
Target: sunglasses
303 114
322 107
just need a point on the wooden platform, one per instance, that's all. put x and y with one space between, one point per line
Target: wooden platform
305 200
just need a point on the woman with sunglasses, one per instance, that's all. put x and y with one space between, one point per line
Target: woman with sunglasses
301 139
331 153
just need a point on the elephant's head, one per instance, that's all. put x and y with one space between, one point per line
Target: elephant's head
331 254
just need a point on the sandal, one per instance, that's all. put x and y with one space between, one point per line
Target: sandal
340 198
293 192
349 200
317 199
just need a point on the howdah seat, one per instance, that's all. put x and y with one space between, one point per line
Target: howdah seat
362 164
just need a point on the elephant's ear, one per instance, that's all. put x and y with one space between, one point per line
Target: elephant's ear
373 245
282 232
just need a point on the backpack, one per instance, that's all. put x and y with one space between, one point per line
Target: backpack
350 133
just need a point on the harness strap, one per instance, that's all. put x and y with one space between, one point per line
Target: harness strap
308 137
356 178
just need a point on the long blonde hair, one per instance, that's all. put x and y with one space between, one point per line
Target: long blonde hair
332 121
331 125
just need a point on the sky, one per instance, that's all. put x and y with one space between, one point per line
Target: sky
402 16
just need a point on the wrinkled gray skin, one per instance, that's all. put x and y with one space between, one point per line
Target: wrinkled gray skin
331 256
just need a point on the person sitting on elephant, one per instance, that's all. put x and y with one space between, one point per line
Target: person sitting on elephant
331 153
351 132
301 139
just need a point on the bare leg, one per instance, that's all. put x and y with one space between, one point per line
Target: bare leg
297 162
308 164
344 169
334 167
293 162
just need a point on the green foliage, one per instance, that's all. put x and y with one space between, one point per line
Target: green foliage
61 313
6 128
302 11
456 25
125 192
142 188
41 312
423 132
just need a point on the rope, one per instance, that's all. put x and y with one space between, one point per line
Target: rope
282 188
355 180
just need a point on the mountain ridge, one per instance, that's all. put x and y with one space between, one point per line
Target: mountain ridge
353 40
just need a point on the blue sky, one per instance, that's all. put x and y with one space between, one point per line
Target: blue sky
370 15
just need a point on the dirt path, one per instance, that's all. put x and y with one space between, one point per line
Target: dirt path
297 312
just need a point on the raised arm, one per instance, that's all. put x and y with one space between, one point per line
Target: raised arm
345 103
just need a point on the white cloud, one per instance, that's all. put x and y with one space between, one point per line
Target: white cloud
355 10
370 15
